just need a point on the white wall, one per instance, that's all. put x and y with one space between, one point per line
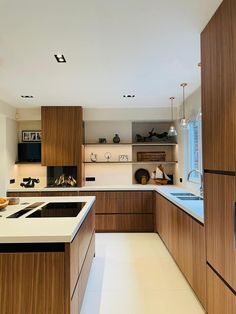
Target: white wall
193 107
8 151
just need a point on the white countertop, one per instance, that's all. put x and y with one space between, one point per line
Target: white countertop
194 208
41 230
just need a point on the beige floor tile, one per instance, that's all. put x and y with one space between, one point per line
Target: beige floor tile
135 274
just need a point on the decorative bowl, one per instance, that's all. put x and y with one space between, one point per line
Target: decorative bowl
3 202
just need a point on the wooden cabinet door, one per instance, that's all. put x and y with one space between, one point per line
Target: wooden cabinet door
220 220
220 299
62 136
218 64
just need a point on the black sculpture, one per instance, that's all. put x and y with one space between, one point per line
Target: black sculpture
152 134
30 182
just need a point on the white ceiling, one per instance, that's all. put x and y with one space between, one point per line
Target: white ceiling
112 47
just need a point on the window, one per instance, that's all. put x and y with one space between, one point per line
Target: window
195 148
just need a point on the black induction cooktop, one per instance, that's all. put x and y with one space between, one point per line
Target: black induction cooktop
55 210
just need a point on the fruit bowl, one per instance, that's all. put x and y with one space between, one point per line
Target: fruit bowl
3 202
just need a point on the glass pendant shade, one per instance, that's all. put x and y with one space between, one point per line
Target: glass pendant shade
172 130
184 121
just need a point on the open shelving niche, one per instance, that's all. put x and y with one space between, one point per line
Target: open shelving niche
117 172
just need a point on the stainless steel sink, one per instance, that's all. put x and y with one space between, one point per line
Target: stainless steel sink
182 194
190 198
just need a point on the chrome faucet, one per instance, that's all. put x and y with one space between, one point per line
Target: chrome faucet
189 175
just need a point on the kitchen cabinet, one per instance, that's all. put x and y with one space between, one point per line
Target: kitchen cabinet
62 136
220 225
42 193
185 239
220 298
218 60
218 66
123 211
47 278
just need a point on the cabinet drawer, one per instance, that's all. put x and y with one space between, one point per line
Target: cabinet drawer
220 299
79 291
122 202
78 248
124 223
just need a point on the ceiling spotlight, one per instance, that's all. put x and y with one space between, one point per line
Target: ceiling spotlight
27 96
128 96
60 58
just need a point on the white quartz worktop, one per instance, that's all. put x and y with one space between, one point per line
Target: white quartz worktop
194 208
41 230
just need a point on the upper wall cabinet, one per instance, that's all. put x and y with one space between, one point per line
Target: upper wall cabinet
218 60
62 136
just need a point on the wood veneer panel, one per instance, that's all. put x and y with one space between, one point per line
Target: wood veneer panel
124 223
60 193
219 220
122 202
218 65
23 194
220 299
78 248
62 136
78 295
32 283
185 239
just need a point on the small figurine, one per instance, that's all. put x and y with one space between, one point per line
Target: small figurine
107 156
93 157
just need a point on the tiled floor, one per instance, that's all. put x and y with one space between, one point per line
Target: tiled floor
133 273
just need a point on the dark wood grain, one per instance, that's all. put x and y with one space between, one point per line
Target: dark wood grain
77 299
43 193
62 137
185 239
32 283
117 211
218 65
220 299
124 223
219 213
78 248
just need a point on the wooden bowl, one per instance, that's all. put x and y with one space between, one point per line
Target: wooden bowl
3 202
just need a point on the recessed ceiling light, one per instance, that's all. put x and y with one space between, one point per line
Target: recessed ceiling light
60 58
128 96
27 96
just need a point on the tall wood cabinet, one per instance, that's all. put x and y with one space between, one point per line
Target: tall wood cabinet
62 136
218 59
218 64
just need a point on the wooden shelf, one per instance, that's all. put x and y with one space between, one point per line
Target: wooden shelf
108 162
27 162
154 144
106 144
154 162
133 144
132 162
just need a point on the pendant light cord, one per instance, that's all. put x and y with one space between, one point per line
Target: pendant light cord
184 85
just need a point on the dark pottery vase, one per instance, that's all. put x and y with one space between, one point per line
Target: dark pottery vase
116 139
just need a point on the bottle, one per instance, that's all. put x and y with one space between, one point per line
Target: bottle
116 139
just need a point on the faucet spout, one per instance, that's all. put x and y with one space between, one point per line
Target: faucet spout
189 175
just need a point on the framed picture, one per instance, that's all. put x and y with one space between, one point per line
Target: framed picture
31 136
123 158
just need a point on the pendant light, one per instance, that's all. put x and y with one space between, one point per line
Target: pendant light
184 122
172 130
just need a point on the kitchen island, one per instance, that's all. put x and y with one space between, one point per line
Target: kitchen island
47 245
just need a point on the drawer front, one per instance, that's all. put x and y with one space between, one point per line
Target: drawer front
124 223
